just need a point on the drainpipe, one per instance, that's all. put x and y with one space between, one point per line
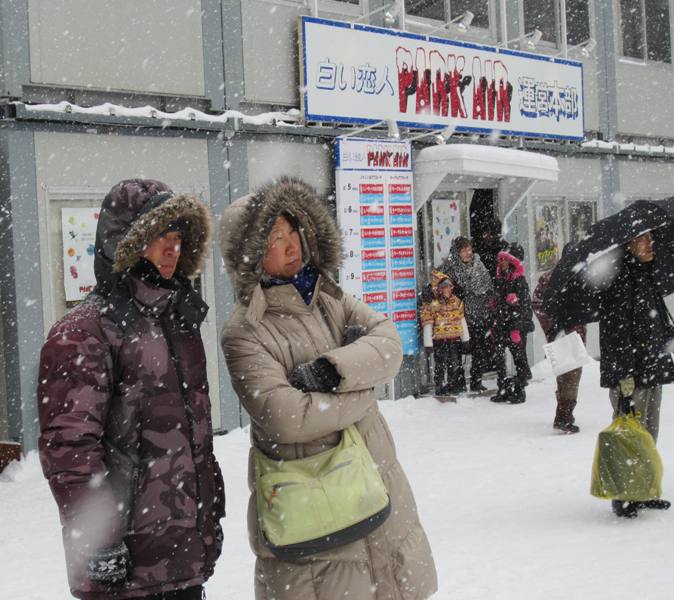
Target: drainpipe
562 21
503 23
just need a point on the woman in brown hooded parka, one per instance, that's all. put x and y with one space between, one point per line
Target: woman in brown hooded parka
292 332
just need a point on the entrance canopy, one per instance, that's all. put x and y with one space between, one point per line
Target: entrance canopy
455 167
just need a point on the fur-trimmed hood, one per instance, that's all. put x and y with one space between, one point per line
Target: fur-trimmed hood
245 226
134 213
507 258
438 278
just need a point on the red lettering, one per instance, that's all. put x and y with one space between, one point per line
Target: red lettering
401 231
397 209
371 188
373 254
377 232
404 295
372 298
402 274
372 210
374 275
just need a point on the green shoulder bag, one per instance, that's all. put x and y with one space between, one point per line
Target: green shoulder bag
312 504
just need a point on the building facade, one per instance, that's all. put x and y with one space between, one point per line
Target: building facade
206 95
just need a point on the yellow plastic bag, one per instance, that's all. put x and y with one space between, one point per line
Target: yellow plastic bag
627 464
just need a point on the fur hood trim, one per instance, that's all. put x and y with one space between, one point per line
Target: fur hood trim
505 257
245 226
149 226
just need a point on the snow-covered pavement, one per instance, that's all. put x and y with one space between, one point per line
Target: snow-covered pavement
504 499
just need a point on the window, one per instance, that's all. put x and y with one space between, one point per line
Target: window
644 28
445 10
577 22
350 7
429 9
542 15
480 8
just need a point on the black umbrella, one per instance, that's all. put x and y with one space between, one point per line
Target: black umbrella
589 267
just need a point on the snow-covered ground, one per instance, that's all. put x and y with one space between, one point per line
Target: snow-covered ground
504 499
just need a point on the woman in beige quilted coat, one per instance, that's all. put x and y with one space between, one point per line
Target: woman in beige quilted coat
293 323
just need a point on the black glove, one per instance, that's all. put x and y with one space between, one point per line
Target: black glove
316 376
219 538
109 565
352 333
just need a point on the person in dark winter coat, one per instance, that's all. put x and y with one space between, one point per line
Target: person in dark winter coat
513 319
489 244
635 333
475 287
567 383
126 438
304 358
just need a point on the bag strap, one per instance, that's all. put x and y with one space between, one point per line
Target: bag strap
625 405
668 315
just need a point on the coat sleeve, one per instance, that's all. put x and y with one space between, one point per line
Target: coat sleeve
372 359
526 314
426 314
517 307
284 413
616 339
543 317
73 395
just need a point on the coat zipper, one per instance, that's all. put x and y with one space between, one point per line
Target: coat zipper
188 411
135 476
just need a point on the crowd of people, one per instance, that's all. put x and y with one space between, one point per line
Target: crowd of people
636 332
482 308
126 436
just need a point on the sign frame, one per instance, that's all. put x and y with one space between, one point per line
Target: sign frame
310 98
375 212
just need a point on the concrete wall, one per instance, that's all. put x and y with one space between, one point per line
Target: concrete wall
578 177
270 56
644 103
312 162
149 46
646 178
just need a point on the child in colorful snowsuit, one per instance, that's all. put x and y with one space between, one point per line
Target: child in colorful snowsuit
442 318
513 319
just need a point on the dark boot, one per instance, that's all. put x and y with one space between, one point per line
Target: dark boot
656 503
564 420
628 510
502 391
476 385
516 395
459 382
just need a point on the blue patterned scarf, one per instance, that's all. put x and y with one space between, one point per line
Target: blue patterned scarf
304 282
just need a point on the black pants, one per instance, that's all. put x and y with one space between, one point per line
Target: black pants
519 354
447 363
479 351
191 593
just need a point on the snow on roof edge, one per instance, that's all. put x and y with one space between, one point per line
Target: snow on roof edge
150 112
